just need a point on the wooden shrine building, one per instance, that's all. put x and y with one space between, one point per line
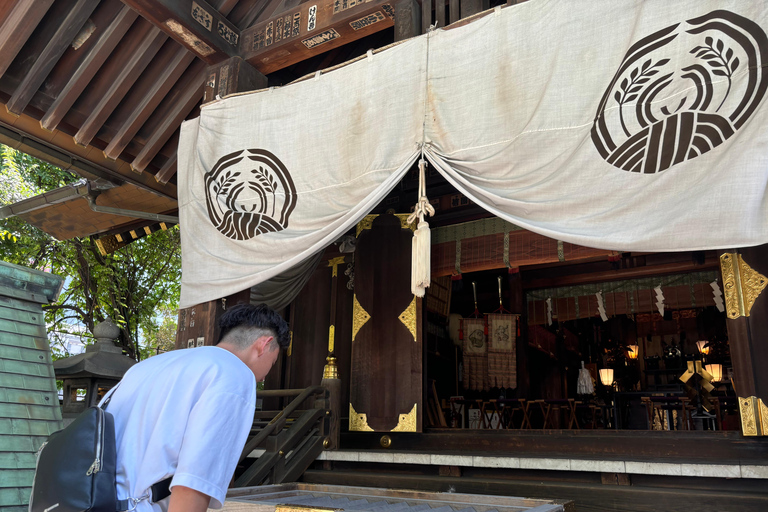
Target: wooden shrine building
620 379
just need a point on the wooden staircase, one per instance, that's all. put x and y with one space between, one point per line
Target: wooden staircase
283 444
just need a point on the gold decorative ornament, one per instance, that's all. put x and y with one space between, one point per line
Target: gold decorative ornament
407 422
359 316
290 345
326 443
303 508
330 371
408 317
741 284
763 416
334 263
385 441
331 337
358 422
749 418
367 222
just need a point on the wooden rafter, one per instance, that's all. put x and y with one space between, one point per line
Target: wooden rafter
194 24
121 84
53 51
18 26
167 171
189 97
88 67
162 85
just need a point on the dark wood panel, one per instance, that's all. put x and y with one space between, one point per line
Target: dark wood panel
725 447
266 47
310 320
386 361
747 335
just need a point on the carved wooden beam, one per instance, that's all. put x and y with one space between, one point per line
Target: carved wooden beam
53 51
87 69
17 28
312 28
193 23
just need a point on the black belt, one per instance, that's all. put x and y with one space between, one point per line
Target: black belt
160 491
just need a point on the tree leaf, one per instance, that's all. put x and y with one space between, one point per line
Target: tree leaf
729 54
633 74
662 62
720 45
719 72
643 80
709 57
715 63
617 96
631 97
708 41
624 84
735 64
646 64
636 89
651 72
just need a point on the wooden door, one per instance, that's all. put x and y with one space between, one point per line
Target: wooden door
386 376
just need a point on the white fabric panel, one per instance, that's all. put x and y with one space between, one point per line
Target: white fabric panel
515 96
635 125
345 139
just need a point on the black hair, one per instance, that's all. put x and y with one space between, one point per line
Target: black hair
242 318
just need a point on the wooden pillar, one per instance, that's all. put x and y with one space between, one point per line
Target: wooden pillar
199 325
470 7
231 76
517 305
744 280
407 19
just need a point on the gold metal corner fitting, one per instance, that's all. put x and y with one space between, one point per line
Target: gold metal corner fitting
334 264
408 317
407 422
358 422
304 508
367 222
754 416
741 284
359 316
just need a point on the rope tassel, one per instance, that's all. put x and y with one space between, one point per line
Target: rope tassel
422 240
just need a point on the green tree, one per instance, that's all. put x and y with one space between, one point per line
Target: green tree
137 286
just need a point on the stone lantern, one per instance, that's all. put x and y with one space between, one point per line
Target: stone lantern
87 377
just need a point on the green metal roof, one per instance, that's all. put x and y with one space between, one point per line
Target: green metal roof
29 405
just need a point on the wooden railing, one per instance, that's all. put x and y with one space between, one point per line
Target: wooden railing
291 439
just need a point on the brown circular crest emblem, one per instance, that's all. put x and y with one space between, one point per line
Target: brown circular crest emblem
248 193
681 92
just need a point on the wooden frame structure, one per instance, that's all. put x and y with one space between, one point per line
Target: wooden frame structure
101 87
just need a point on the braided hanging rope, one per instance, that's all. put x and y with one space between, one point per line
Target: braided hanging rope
421 269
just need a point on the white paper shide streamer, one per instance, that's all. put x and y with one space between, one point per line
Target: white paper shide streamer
659 300
601 306
717 294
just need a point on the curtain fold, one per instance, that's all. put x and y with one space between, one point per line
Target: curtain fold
632 126
280 291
